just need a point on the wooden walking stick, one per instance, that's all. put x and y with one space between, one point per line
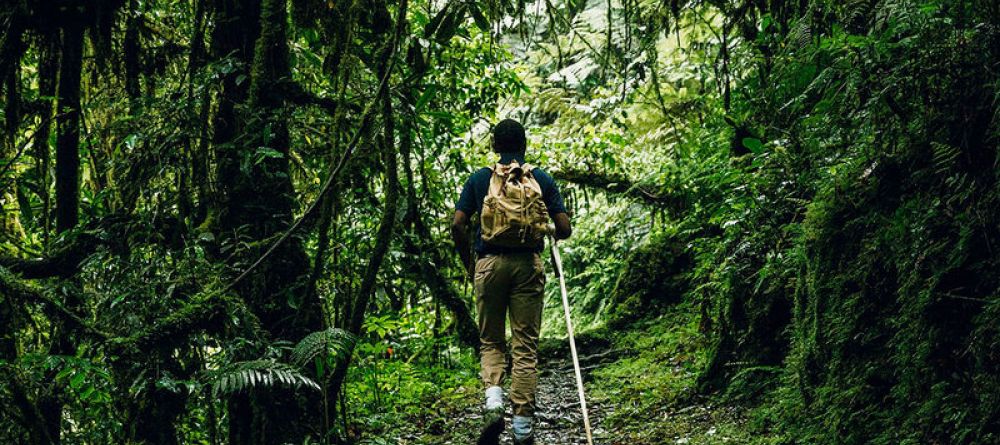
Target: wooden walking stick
572 342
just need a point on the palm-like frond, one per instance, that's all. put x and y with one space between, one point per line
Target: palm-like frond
253 374
944 156
337 342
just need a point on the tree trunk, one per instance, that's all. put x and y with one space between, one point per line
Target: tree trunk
132 50
68 128
12 120
237 25
12 101
152 415
198 153
67 189
48 70
258 202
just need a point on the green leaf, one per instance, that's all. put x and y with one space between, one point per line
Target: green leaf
765 22
330 342
320 363
257 373
270 152
77 380
609 160
450 24
64 373
312 57
425 98
86 393
754 145
478 17
435 22
24 203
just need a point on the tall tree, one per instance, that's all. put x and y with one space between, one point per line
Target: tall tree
68 127
48 65
258 202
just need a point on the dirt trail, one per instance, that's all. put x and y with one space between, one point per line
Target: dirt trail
558 418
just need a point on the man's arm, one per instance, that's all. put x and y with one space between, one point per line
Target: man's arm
563 228
554 203
460 234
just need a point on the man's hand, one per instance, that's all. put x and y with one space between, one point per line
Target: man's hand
563 229
545 229
470 268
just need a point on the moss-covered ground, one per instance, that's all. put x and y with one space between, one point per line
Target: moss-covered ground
641 385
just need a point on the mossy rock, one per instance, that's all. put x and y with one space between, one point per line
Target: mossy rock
655 276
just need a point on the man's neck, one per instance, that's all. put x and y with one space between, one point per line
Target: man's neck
506 158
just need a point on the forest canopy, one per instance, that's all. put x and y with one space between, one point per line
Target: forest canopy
227 221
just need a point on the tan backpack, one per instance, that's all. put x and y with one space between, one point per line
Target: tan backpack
514 213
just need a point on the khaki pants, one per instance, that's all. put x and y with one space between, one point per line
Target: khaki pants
514 284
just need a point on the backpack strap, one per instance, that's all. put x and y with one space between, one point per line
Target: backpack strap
529 170
496 179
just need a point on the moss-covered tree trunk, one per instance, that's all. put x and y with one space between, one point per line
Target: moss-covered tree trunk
11 87
256 203
237 24
198 158
236 28
48 66
132 51
68 128
67 178
153 414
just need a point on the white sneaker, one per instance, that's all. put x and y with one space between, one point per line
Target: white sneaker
523 433
494 398
493 423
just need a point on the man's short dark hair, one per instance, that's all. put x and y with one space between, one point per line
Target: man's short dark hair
508 137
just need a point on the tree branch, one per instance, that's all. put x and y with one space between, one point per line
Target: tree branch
31 417
12 287
295 93
65 262
205 312
618 184
195 316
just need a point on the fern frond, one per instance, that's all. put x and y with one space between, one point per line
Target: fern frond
944 156
801 35
253 374
337 342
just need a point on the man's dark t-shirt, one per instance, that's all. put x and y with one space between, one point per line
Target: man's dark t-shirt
474 192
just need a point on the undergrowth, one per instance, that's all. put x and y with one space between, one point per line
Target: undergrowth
652 389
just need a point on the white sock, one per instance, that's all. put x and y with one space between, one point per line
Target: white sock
522 427
494 397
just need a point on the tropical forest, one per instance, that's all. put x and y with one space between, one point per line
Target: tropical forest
244 222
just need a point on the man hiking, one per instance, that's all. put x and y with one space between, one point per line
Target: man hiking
515 202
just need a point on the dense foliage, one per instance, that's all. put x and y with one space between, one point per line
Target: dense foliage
224 220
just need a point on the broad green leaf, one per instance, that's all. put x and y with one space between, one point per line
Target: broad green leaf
754 145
